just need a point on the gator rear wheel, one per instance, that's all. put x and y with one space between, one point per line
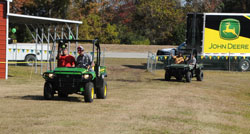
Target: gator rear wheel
48 91
102 92
200 76
188 77
89 92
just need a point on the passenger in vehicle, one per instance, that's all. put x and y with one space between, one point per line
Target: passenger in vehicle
65 60
178 59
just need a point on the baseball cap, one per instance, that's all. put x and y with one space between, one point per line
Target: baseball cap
80 48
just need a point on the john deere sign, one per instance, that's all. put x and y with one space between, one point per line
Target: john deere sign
226 34
229 29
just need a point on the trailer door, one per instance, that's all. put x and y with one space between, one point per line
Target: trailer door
194 34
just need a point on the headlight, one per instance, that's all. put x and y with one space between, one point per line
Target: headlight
51 76
86 76
48 75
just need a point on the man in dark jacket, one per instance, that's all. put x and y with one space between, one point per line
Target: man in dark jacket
84 60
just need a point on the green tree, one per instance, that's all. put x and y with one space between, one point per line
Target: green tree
92 27
236 6
157 20
110 34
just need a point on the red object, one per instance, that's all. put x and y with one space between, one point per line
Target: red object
2 39
66 61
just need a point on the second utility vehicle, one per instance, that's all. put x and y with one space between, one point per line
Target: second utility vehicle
184 70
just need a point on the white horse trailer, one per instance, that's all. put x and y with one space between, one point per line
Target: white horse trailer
28 52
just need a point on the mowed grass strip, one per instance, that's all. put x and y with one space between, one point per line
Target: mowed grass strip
138 103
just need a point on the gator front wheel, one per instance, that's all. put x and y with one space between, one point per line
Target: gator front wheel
48 92
102 92
89 92
167 76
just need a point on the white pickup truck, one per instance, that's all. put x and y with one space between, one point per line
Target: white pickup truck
27 52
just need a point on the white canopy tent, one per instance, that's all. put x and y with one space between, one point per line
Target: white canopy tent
44 30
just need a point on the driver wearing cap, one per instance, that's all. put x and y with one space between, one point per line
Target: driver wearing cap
84 60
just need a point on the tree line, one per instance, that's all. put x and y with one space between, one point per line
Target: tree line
145 22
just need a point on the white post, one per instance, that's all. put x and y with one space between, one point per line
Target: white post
229 61
69 42
41 69
48 46
7 38
54 44
36 50
16 55
77 28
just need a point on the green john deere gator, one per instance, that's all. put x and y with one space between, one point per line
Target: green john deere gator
185 70
68 80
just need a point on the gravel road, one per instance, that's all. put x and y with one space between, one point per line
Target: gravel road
125 55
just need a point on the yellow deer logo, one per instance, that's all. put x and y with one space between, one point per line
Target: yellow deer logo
228 30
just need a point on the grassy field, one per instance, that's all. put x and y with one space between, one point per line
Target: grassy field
138 102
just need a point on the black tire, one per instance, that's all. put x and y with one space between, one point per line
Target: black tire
244 65
188 76
199 76
30 59
167 76
101 93
89 92
48 91
62 95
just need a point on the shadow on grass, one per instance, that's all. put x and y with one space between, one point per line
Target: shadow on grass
10 76
41 98
142 66
172 80
23 64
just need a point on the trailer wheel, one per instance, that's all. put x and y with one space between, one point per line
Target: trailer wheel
244 65
30 59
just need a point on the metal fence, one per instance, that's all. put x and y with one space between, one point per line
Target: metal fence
151 62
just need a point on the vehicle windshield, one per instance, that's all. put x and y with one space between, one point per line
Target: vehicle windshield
72 52
181 46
